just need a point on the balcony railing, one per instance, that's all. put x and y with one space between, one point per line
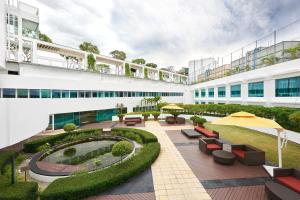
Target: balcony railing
23 49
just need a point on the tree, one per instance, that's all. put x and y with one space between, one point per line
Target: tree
89 47
184 71
140 61
270 60
292 51
153 65
44 37
121 55
91 62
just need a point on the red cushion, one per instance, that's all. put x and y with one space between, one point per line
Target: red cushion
239 152
214 146
205 132
290 181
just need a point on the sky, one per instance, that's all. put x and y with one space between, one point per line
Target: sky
166 32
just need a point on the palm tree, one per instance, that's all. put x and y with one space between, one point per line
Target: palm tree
292 51
270 60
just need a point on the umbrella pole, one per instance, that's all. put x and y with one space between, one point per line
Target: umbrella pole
279 149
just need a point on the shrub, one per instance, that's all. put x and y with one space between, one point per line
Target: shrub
146 115
88 184
5 158
19 191
200 120
32 146
295 119
145 136
69 127
70 152
44 147
122 148
155 114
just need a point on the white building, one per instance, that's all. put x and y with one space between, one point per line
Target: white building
41 89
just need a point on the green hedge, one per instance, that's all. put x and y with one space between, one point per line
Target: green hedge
280 114
145 136
18 191
88 184
32 146
5 158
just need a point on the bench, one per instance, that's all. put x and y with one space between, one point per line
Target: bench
276 191
206 132
132 119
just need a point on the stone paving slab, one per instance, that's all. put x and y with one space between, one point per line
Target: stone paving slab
173 179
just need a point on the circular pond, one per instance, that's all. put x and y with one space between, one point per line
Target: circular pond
78 156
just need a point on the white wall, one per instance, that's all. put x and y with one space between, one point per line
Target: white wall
23 118
267 74
2 34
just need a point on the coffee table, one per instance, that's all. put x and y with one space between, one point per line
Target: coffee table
191 133
223 157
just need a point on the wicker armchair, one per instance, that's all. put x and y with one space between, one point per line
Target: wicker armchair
208 145
248 155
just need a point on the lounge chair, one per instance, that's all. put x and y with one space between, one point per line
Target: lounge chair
248 155
208 145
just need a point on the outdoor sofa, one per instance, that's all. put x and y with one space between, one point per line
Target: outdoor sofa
286 184
206 132
133 119
208 145
248 154
172 120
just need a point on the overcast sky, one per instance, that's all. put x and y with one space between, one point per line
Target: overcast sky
166 32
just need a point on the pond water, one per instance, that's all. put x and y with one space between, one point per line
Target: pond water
85 156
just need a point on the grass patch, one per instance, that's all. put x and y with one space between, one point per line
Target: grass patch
265 142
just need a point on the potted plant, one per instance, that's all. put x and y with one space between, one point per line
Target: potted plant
121 116
155 115
200 121
146 115
175 114
194 119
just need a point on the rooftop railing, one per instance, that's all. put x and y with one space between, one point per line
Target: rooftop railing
280 46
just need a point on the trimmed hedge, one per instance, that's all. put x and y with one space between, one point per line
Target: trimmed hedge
88 184
18 191
5 158
32 146
145 136
280 114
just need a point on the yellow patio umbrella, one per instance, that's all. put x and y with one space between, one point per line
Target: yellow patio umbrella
248 119
171 106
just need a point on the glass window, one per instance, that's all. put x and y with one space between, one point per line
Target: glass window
88 94
196 102
203 102
256 89
22 93
30 28
65 94
81 94
125 94
100 94
34 93
203 93
121 94
111 94
46 93
211 92
73 93
221 91
288 87
235 90
133 94
9 93
95 94
106 94
56 94
129 94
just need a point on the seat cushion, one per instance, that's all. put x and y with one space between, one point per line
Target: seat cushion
239 152
214 147
290 181
205 132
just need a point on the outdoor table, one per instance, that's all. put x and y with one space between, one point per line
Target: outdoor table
191 133
223 157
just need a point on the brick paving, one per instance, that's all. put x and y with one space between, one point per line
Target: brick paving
136 196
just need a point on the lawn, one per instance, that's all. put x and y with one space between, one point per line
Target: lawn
267 143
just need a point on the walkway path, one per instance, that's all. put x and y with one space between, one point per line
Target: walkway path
173 179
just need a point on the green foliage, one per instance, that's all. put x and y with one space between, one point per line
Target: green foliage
127 70
91 61
145 114
121 55
270 60
88 184
194 118
69 127
155 113
200 120
44 37
122 148
140 61
153 65
70 152
89 47
32 146
174 113
5 158
295 120
44 147
146 137
184 71
18 191
146 73
160 76
293 52
103 68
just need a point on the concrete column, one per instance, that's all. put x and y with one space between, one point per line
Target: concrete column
34 50
2 34
269 91
244 92
53 127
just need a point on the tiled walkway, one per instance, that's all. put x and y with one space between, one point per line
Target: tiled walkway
173 179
